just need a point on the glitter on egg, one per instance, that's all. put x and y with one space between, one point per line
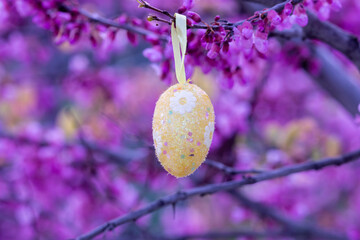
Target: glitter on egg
186 130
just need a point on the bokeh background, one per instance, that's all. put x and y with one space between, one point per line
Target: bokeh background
76 145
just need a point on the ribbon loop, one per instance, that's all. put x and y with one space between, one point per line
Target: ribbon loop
179 42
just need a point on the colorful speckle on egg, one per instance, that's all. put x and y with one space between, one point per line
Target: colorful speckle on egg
183 127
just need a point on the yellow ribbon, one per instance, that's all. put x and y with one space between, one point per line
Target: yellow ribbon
179 42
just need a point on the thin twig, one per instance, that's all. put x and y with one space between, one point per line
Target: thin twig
230 170
262 14
227 235
332 76
110 23
213 188
145 4
156 18
336 80
334 36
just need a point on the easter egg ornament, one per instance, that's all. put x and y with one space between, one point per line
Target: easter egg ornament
184 119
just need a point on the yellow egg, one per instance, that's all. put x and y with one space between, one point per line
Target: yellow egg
183 127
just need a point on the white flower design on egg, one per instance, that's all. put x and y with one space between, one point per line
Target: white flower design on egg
182 102
208 134
158 143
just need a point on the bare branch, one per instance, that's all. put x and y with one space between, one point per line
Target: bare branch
337 81
332 77
305 229
145 4
229 170
225 234
110 23
213 188
228 235
264 2
278 8
335 37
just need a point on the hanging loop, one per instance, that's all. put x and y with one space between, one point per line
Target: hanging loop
179 43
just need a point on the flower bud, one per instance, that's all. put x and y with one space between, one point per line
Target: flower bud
131 37
150 18
260 41
288 9
182 9
214 51
194 16
226 46
246 30
273 17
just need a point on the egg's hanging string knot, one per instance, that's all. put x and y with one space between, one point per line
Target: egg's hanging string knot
179 43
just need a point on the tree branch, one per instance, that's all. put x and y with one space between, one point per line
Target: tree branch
332 77
226 25
277 8
145 4
110 23
305 229
326 32
336 81
212 188
334 36
228 235
229 170
264 2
